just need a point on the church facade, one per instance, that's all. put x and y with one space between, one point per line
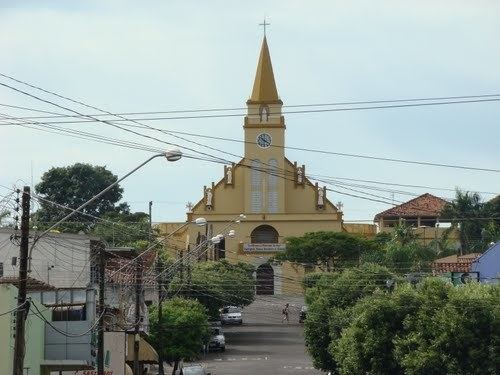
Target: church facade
273 193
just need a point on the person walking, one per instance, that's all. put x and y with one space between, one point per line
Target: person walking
286 313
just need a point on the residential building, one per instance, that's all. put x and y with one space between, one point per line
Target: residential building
423 213
35 331
487 265
454 263
59 259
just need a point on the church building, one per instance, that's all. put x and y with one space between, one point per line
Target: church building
273 193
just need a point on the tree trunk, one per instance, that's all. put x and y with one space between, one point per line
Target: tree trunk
176 366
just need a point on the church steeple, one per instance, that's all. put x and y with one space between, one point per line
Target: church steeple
264 87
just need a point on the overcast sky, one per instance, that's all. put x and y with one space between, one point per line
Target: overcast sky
156 56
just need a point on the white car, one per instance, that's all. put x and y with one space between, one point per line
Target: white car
231 315
194 370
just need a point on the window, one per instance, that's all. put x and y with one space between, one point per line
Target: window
272 186
264 234
1 269
69 313
256 186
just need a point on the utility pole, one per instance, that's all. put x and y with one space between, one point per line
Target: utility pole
138 285
159 269
22 309
160 276
100 331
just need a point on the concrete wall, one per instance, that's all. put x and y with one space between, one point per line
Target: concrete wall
34 334
57 259
61 347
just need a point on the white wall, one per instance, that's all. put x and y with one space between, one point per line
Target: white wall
67 256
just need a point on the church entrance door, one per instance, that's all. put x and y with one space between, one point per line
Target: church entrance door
265 279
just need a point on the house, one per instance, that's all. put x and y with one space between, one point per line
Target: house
454 263
423 213
488 265
35 330
58 259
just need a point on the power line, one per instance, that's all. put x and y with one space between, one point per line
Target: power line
121 118
423 99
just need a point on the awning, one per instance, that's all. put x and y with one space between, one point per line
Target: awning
128 370
147 354
66 365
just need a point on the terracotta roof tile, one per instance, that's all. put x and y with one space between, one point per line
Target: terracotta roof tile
31 283
426 205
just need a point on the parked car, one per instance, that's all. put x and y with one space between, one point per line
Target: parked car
194 370
302 314
231 315
217 339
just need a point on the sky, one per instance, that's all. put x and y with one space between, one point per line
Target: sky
128 56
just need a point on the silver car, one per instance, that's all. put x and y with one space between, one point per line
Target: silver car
231 315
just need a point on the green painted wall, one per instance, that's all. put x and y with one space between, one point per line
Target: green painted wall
34 334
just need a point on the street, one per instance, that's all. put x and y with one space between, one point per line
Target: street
263 345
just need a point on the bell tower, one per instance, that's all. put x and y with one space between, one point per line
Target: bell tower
264 142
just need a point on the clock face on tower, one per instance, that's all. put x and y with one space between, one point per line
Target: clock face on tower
264 140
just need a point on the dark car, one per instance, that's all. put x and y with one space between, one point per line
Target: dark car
217 339
302 314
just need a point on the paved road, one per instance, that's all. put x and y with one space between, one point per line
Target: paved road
263 345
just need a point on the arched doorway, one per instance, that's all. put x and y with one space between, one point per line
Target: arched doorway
264 234
265 279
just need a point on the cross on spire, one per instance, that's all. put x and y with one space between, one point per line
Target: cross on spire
264 24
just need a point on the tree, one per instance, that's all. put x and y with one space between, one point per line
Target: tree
325 248
125 229
330 301
4 216
366 345
72 186
183 330
455 331
218 284
465 212
408 257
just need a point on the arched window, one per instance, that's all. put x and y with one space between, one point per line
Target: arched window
256 186
272 186
264 234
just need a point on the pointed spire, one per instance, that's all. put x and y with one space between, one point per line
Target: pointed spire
264 87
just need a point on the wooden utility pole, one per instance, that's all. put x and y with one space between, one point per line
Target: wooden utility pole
160 280
137 338
22 309
100 327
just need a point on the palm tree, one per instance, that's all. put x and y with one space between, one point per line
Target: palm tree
464 212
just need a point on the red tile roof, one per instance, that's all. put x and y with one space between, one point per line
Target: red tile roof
454 263
426 205
31 283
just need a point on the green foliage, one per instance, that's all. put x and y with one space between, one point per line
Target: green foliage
432 329
4 216
408 257
72 186
131 229
366 345
467 212
325 248
182 331
330 299
218 284
456 332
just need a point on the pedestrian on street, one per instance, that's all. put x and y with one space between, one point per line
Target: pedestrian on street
286 313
